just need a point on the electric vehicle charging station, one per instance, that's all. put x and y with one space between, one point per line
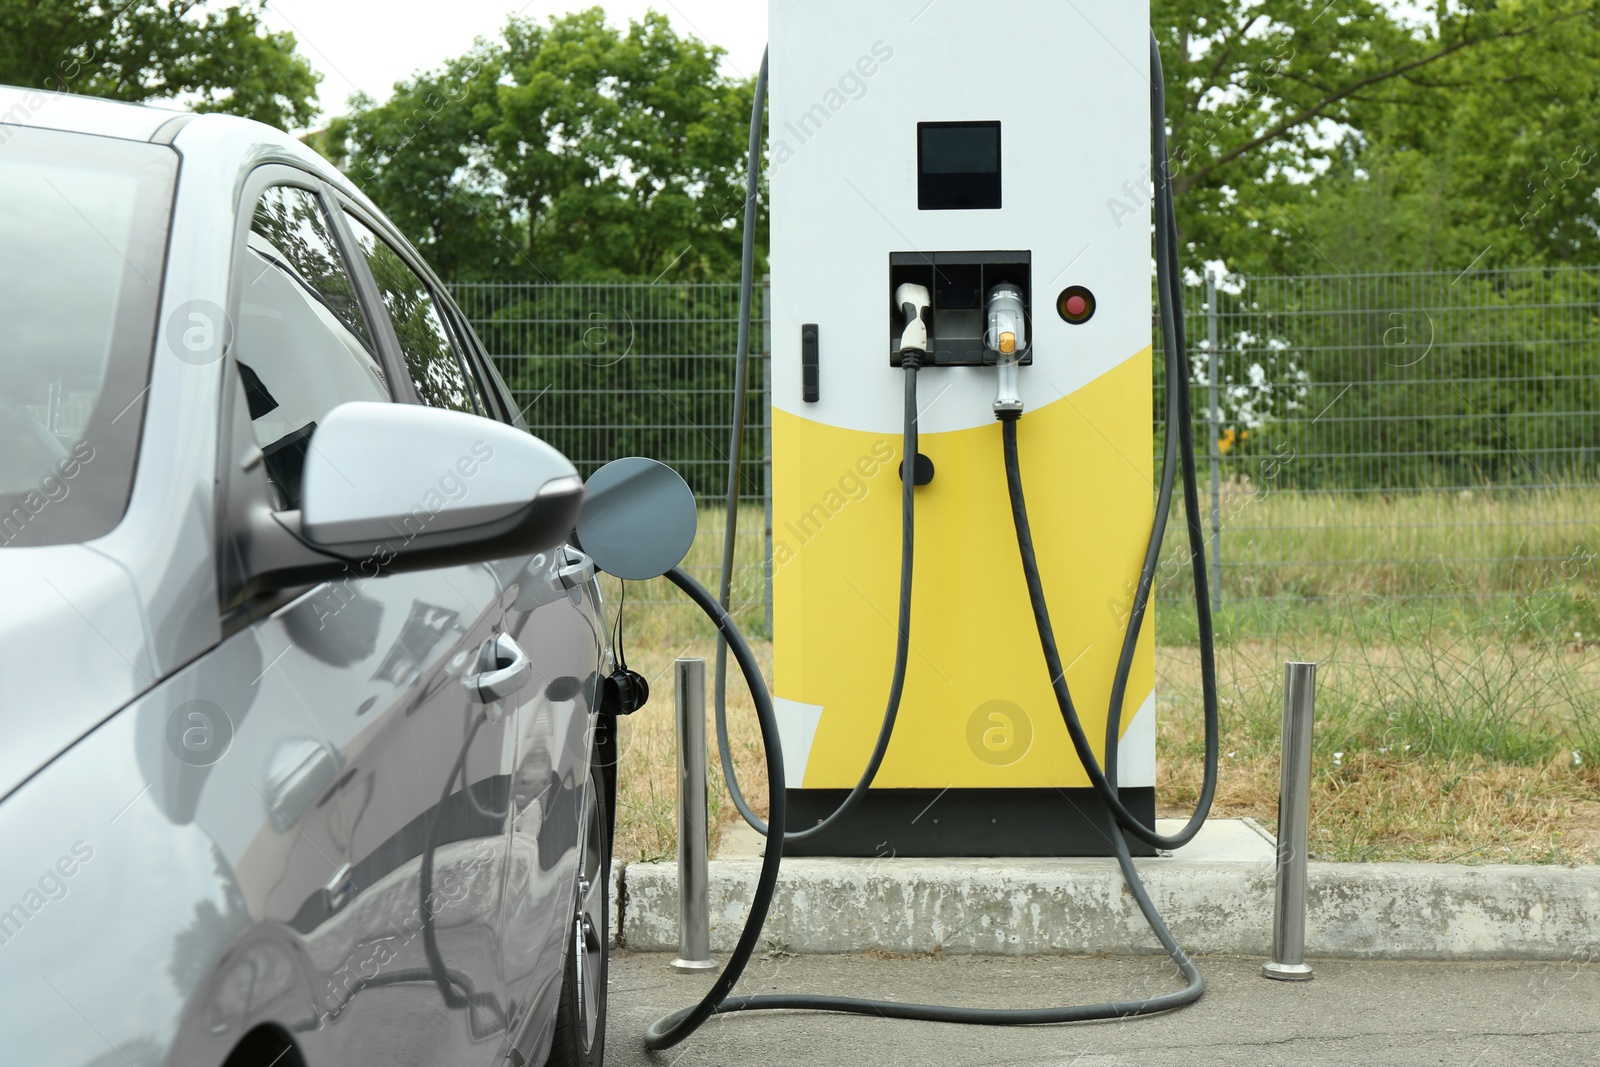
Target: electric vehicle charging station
946 260
958 157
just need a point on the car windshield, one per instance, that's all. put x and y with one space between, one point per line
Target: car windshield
83 228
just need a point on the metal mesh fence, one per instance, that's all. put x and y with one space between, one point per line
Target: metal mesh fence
604 371
1418 439
1423 438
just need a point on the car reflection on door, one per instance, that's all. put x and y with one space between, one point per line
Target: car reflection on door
555 618
387 815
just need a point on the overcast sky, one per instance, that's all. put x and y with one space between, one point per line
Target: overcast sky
368 46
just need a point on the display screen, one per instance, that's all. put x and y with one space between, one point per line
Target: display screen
958 166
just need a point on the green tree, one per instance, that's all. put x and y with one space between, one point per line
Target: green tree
568 150
1271 102
424 159
1341 139
1491 159
214 59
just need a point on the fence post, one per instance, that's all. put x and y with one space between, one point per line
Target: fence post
1214 430
766 448
1288 962
694 877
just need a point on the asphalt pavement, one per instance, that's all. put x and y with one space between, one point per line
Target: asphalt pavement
1371 1013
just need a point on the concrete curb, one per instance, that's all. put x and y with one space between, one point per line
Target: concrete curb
1080 906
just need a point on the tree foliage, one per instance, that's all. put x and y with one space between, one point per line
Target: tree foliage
1342 143
211 58
568 150
1490 159
1321 136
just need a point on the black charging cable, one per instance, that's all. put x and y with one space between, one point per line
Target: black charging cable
911 363
623 691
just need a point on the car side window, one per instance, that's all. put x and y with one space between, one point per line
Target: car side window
430 356
304 345
479 367
493 383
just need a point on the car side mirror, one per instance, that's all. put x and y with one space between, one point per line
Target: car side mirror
396 487
406 479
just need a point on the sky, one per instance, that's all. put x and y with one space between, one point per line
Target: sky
368 46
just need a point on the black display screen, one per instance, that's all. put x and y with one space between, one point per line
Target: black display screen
958 166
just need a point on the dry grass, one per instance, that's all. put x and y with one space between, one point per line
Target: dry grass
647 782
1404 765
1394 791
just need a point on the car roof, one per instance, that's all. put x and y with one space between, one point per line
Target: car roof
240 138
82 114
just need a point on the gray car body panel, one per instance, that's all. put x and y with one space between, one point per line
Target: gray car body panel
73 649
282 882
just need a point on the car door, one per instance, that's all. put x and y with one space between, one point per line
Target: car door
552 615
557 618
382 774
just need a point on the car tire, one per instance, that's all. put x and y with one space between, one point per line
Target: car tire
580 1034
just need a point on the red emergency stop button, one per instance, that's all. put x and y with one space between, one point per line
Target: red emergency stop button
1075 305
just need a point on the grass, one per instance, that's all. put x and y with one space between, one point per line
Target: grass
1443 749
1458 714
647 781
1295 561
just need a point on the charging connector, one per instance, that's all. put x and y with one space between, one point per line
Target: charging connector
916 304
1007 338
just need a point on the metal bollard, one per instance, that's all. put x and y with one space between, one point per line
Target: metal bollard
1294 826
694 904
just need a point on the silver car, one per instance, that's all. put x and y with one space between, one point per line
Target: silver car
302 761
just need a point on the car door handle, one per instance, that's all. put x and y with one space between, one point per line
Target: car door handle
339 890
576 568
502 669
297 773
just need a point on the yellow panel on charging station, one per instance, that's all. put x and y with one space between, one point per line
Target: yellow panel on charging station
836 579
966 144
